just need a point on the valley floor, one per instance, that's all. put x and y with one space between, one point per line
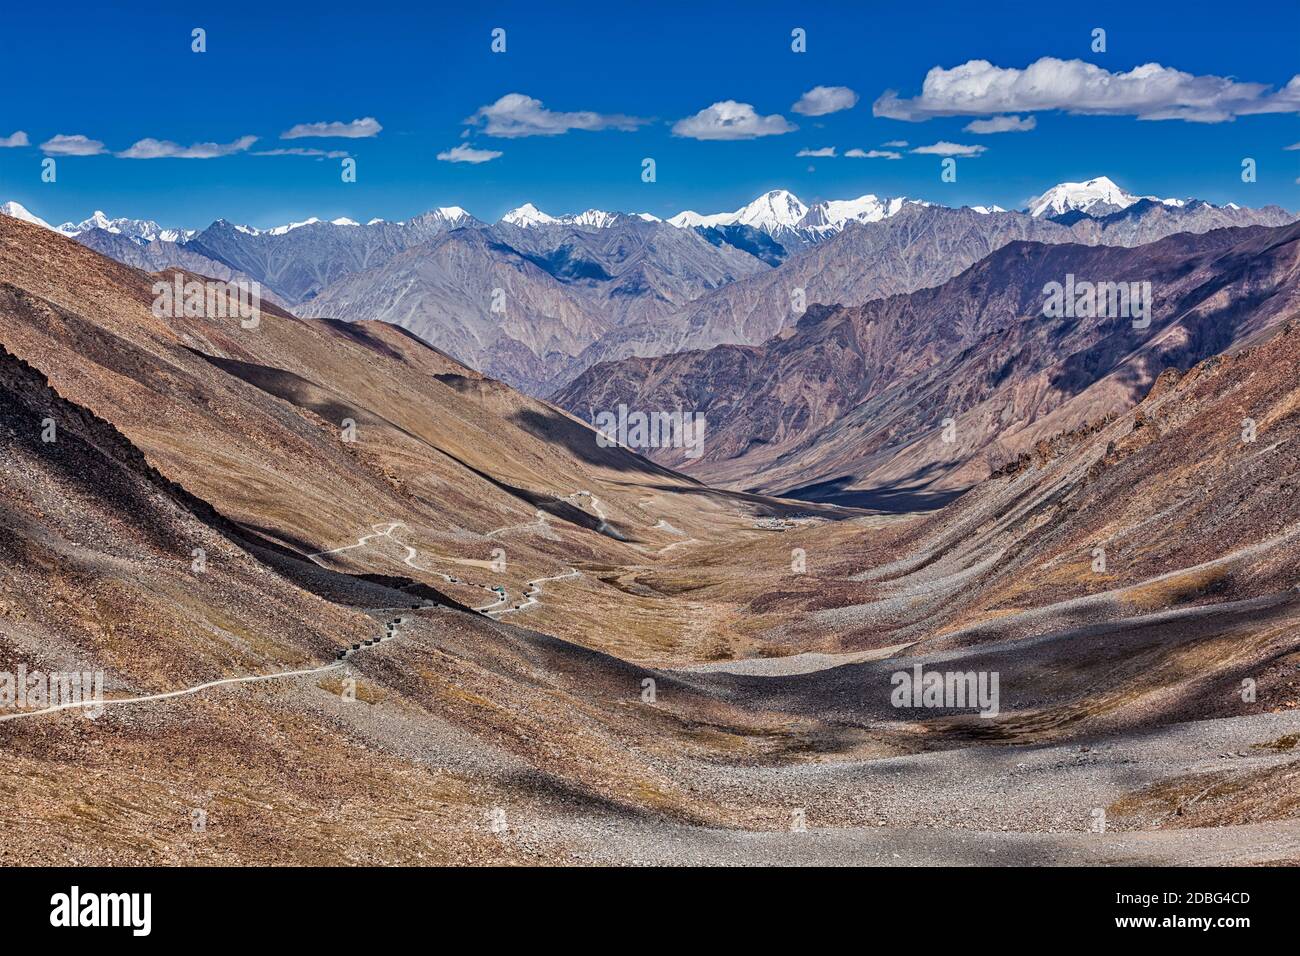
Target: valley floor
480 741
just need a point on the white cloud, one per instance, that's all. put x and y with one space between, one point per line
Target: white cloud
464 153
873 154
728 120
945 148
1150 91
518 115
77 145
895 143
17 139
1292 146
357 129
1002 124
165 149
821 100
826 152
302 151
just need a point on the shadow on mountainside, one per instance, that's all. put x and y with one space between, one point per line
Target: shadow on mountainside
897 500
764 506
580 441
94 456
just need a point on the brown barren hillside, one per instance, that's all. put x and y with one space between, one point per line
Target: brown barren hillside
672 669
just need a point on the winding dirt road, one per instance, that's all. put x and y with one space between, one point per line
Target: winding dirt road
186 691
534 589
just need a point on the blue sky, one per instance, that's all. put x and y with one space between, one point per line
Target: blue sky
421 70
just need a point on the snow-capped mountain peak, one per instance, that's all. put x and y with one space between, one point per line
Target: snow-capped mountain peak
290 227
16 211
834 214
281 230
98 220
1096 197
596 218
1081 197
781 214
527 215
772 211
689 219
137 230
450 214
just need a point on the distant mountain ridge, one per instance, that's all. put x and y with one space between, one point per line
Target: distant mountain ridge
138 230
850 405
521 303
915 248
598 286
776 212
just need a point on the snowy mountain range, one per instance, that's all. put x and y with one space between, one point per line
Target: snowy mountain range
783 216
140 230
529 215
779 214
599 286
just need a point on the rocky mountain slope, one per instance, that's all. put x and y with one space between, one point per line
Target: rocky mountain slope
653 288
155 255
915 248
208 397
521 303
1152 552
852 403
297 262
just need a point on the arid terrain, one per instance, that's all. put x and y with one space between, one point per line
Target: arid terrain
670 672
